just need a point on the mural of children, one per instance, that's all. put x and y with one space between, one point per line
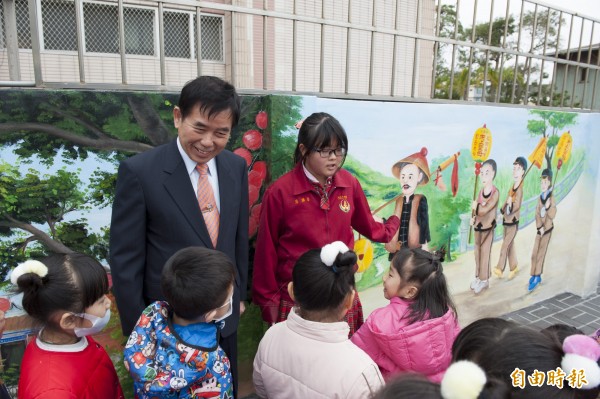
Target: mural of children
545 211
511 211
411 208
484 222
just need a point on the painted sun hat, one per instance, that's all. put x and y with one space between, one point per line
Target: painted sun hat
418 158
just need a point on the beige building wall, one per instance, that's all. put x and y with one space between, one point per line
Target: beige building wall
331 59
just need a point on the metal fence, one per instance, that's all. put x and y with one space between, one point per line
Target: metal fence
521 52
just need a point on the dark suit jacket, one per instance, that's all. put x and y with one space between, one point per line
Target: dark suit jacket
156 213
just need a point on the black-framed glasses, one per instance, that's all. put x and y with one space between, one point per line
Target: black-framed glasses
326 153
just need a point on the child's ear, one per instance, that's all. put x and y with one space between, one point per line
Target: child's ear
291 291
411 292
349 300
210 315
302 149
68 321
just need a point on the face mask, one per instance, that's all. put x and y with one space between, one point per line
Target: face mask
226 315
98 324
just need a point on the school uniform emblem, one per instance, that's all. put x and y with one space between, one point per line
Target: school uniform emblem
345 206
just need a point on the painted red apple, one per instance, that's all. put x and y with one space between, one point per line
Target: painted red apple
261 168
262 120
4 304
244 153
254 219
253 193
255 179
252 139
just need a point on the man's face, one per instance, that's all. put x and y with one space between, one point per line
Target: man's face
201 137
518 172
487 174
410 176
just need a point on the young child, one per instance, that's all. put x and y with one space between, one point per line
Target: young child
520 356
416 330
309 355
463 380
66 295
173 351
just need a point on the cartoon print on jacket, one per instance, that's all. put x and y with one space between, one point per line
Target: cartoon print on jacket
164 366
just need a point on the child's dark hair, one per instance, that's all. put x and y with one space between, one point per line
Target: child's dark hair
213 95
425 270
196 280
473 340
500 347
319 287
560 331
410 386
317 131
73 283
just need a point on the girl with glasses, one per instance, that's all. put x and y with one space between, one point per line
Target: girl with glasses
317 202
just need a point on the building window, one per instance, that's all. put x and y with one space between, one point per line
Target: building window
58 22
177 34
101 28
139 31
101 24
212 37
23 32
583 74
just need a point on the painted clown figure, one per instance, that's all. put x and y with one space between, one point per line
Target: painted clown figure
484 223
545 211
511 211
411 208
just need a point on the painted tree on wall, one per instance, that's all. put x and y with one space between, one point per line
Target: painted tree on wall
71 125
550 124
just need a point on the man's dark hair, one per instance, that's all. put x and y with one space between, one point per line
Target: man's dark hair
196 280
213 95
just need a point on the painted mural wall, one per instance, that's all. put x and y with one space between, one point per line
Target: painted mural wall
59 152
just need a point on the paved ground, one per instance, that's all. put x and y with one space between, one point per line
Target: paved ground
564 308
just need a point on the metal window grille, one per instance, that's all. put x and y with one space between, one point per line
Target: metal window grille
177 34
212 37
101 28
23 31
59 26
139 31
2 33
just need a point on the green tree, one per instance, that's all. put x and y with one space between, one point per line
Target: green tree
550 124
33 209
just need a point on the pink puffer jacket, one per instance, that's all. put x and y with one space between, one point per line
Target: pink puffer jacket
396 346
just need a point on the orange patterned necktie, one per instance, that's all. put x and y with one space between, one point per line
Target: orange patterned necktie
208 205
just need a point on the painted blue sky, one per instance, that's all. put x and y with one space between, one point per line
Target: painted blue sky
381 133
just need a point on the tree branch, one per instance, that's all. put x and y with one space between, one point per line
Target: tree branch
50 243
83 122
99 144
147 118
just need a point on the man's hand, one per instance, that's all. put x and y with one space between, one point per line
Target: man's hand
242 307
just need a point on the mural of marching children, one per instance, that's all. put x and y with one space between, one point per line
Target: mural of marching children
545 211
483 222
411 208
511 211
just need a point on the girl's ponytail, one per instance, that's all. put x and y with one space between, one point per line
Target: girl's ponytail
324 277
59 282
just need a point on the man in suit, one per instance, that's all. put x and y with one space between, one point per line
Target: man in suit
189 192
